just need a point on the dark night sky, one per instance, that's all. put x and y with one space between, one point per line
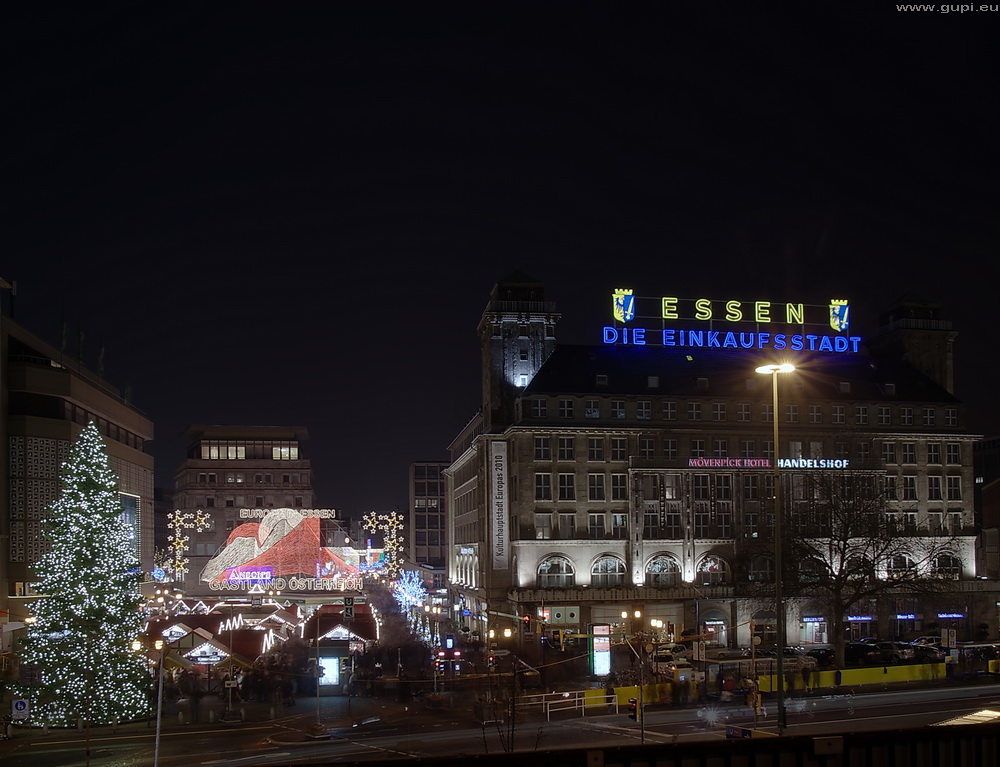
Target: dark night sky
294 213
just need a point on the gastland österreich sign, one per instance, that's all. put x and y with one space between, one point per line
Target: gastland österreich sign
730 324
499 504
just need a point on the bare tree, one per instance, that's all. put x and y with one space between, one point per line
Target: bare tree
843 546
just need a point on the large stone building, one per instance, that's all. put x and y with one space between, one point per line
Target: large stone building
229 470
46 398
638 474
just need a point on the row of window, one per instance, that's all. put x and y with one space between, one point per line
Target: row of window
720 487
642 410
664 570
706 523
240 450
239 478
239 501
616 449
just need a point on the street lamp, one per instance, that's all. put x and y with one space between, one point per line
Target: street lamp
159 645
773 370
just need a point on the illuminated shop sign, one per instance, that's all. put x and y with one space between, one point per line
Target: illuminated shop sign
732 324
858 618
244 574
951 615
809 619
906 616
281 550
297 583
765 463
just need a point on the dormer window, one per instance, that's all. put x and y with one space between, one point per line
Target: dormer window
602 379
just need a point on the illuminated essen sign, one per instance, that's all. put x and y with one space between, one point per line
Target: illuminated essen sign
743 324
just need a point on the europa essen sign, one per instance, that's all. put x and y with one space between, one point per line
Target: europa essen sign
730 324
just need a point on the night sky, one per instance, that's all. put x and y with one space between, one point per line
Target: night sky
294 214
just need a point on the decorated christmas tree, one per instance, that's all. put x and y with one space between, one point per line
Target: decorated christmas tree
88 613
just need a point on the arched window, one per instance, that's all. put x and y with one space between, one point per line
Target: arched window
859 567
900 565
761 569
946 566
712 570
555 572
811 571
663 571
607 571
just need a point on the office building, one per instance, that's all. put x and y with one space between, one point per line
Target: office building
47 396
637 474
233 470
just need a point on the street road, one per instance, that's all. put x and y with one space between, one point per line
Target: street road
419 732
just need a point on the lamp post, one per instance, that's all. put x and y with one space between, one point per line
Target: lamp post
779 604
159 645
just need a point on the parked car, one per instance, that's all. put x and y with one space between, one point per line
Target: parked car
680 670
929 653
893 652
929 639
859 653
727 653
824 655
795 658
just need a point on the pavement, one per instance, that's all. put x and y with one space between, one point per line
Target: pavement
308 719
332 712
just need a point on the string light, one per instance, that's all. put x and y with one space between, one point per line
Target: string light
85 623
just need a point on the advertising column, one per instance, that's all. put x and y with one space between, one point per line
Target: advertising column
499 505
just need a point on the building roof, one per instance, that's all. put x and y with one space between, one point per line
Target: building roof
626 371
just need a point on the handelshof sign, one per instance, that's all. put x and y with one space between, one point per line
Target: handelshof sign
765 463
732 324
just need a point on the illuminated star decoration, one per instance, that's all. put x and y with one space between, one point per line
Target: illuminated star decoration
390 525
178 521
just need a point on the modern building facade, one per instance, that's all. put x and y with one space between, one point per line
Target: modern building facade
637 475
230 469
427 538
46 398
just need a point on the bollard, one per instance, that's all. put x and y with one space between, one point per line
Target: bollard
243 714
45 728
180 717
272 712
211 716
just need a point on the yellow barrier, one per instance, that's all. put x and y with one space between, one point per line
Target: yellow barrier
858 677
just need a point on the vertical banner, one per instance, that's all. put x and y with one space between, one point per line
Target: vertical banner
499 505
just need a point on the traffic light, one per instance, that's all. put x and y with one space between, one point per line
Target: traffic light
526 620
633 709
491 662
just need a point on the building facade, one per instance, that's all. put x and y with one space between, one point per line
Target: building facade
428 539
228 470
639 478
46 399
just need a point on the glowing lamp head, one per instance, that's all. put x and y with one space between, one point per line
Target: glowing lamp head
784 367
